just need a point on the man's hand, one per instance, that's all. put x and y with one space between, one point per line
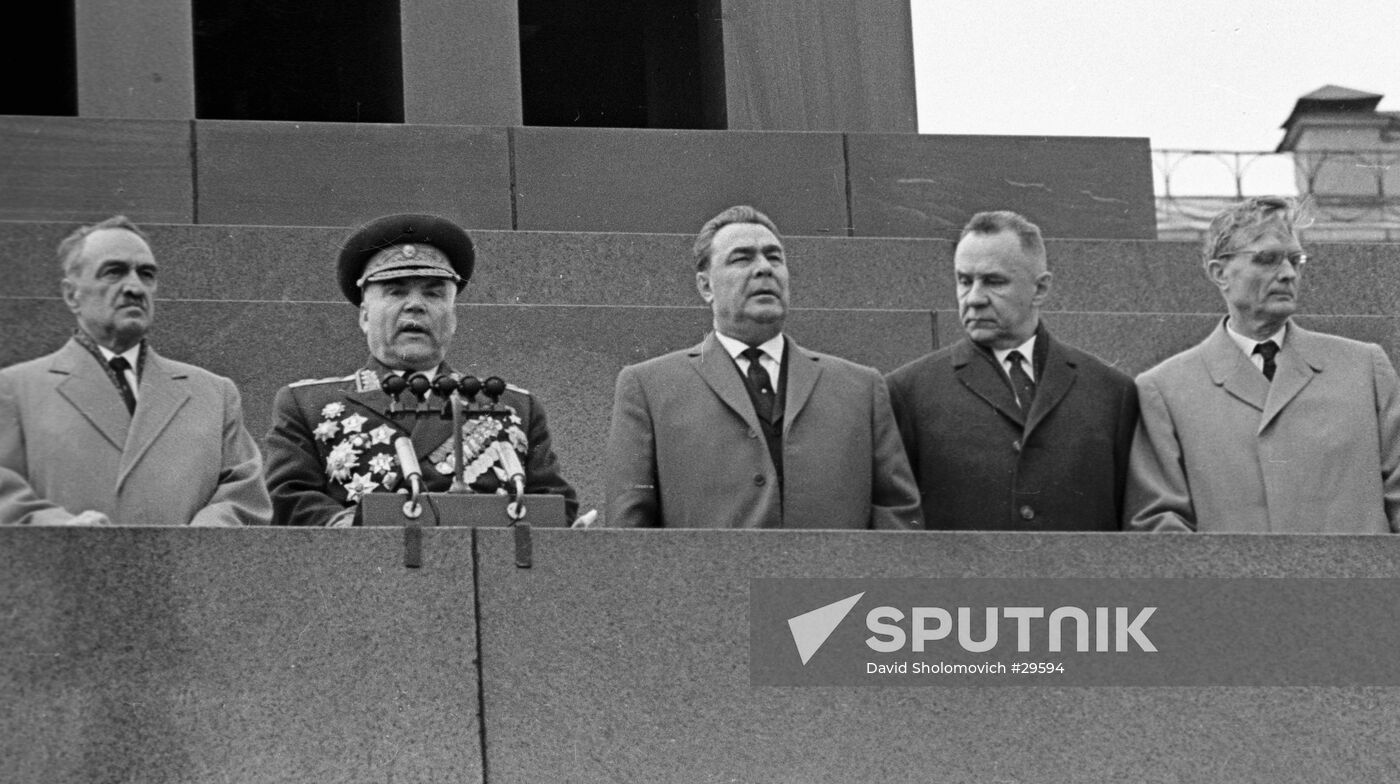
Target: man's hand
83 518
586 520
345 518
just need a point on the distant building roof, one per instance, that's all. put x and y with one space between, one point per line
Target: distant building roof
1333 100
1332 92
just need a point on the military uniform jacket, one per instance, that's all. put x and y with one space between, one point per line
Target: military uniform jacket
331 442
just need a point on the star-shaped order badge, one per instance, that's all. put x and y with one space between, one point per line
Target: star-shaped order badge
353 423
381 435
381 464
357 487
332 410
327 430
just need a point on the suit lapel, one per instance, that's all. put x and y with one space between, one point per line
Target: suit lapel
1057 376
1297 365
717 368
92 393
1232 371
163 393
803 370
981 376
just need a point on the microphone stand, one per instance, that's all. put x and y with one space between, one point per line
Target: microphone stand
408 461
459 472
460 393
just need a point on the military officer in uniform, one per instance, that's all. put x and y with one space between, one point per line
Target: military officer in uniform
331 441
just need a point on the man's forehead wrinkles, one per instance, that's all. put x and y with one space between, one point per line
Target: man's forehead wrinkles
754 247
126 263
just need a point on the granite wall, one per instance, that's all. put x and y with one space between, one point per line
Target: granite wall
559 313
197 655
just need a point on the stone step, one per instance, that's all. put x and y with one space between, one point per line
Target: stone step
567 179
569 355
279 263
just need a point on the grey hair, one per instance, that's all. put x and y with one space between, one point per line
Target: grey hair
1244 222
997 221
741 213
72 245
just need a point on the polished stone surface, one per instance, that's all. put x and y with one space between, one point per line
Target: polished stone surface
297 264
170 655
280 263
461 62
644 664
275 655
861 77
338 174
610 179
923 185
86 169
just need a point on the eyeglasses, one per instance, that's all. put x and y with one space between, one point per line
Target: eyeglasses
1271 258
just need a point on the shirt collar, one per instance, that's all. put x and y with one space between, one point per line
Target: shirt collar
1027 350
1247 344
773 347
131 354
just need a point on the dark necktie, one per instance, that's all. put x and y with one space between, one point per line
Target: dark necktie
119 365
1268 350
1020 382
760 383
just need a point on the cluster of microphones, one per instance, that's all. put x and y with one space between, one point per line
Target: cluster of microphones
459 402
419 385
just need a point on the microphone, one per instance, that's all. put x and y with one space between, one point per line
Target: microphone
419 384
408 462
468 387
443 386
393 386
515 473
494 387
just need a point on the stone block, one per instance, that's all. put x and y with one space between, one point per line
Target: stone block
338 174
630 180
646 665
144 654
914 185
118 77
860 78
71 169
461 62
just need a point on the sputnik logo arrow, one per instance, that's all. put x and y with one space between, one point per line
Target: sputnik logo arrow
810 629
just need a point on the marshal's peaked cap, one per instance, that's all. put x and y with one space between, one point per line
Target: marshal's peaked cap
405 245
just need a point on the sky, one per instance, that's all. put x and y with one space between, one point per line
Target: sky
1188 74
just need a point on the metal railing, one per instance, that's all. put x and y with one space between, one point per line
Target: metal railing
1355 193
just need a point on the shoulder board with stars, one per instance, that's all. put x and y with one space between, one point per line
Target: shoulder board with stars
310 381
366 381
